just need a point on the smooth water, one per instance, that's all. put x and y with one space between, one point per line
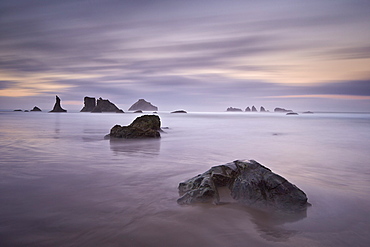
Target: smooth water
63 184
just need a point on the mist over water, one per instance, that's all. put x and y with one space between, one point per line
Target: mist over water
63 184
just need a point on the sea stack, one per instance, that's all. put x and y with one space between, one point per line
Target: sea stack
36 109
57 106
143 105
254 109
233 109
278 109
262 109
248 109
89 104
104 105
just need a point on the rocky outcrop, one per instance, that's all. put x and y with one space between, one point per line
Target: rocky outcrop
248 109
249 182
254 109
143 105
104 105
179 111
278 109
262 109
57 106
89 104
35 108
292 113
146 126
233 109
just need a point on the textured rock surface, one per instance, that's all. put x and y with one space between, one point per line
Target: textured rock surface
147 126
89 104
57 105
249 182
104 105
143 105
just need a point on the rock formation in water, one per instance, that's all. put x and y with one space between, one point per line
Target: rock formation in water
248 109
104 105
146 126
262 109
179 111
18 110
57 106
249 182
143 105
233 109
292 113
89 104
278 109
35 108
254 109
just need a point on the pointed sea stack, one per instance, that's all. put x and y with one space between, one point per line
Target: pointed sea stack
104 105
262 109
89 104
57 106
143 105
248 109
254 109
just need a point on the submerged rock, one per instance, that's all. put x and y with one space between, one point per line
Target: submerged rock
57 106
89 104
249 182
179 111
143 105
146 126
104 105
36 109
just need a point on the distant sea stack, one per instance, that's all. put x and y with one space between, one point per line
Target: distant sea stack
36 109
57 106
179 111
278 109
233 109
89 104
248 109
254 109
262 109
104 105
143 105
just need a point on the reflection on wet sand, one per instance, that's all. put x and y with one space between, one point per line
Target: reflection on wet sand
135 146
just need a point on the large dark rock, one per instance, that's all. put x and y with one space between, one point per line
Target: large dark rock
104 105
143 105
89 104
36 109
262 109
233 109
146 126
248 109
57 106
249 182
278 109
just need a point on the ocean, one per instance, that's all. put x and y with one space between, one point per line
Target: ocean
63 184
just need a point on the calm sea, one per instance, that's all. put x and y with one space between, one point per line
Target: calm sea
63 184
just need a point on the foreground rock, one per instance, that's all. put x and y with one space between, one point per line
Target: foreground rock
249 182
89 104
104 105
146 126
57 106
143 105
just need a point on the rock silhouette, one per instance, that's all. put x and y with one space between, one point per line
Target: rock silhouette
89 104
143 105
278 109
233 109
35 108
104 105
57 106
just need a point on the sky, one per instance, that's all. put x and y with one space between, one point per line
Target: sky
203 55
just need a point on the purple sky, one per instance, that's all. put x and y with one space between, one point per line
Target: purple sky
194 55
